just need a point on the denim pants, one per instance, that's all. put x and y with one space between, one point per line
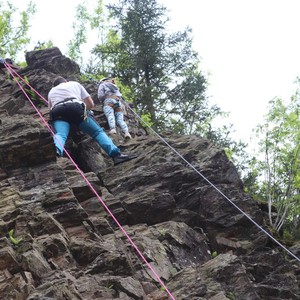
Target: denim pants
113 116
89 126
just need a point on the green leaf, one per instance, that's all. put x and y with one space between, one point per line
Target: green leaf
12 239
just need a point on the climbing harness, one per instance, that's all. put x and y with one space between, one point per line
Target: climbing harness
116 105
12 72
113 97
70 109
68 100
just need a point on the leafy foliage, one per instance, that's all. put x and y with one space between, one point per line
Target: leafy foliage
88 21
14 29
279 173
80 30
12 239
43 45
158 72
154 64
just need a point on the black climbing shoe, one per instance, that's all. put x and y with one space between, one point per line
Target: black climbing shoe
120 158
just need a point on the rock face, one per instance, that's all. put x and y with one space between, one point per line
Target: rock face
66 244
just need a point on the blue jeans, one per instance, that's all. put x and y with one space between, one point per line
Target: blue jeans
113 116
89 126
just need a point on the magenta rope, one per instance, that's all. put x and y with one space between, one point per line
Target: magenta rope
87 181
12 70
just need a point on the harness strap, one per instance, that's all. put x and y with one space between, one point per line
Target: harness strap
66 100
72 100
117 107
113 97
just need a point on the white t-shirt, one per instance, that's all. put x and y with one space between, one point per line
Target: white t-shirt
70 89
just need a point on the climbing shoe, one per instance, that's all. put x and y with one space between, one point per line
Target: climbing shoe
120 158
127 136
112 131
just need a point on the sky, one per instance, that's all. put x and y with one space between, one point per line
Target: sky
249 49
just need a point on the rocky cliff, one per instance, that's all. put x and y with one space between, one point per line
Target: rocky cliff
58 241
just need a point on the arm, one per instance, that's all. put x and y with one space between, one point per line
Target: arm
49 100
101 93
89 102
85 97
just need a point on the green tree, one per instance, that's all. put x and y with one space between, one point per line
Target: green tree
160 71
279 169
160 68
14 29
80 32
156 71
91 21
43 45
187 110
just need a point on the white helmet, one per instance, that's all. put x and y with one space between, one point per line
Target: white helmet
105 79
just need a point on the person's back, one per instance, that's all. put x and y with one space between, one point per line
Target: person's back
66 90
106 89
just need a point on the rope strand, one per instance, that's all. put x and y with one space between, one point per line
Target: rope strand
95 192
27 83
211 184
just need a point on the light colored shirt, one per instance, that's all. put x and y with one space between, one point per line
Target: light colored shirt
106 89
70 89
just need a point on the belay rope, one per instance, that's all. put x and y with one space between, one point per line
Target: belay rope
211 184
12 72
207 180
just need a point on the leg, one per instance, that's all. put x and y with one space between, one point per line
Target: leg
91 127
62 129
120 121
109 113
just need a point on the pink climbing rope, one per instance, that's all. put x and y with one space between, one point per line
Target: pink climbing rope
11 71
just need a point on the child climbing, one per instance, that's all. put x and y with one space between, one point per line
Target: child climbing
110 95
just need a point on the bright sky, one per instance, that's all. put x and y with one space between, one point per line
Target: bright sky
250 48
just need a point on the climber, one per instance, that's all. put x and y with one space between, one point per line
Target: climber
110 95
69 104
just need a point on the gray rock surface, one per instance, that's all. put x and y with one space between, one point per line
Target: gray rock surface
66 245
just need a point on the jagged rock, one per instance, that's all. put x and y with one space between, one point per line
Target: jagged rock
52 61
77 239
19 133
